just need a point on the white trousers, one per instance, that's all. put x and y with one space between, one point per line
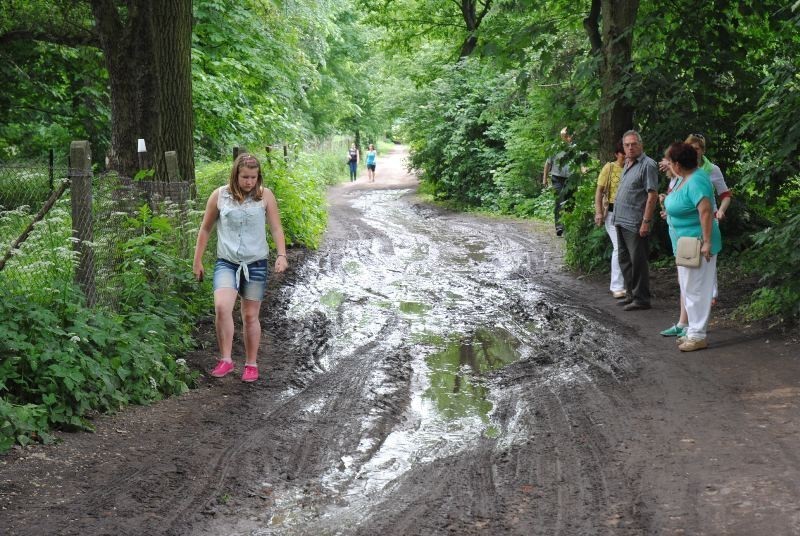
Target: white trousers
617 282
697 287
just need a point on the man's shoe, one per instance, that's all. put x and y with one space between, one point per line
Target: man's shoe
250 373
690 345
635 306
625 301
222 368
674 331
619 294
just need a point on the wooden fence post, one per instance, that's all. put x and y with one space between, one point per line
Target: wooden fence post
285 153
50 162
80 175
235 152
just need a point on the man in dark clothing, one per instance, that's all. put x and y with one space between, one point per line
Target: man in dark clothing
556 171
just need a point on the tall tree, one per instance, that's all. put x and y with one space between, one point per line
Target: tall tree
472 20
613 44
146 46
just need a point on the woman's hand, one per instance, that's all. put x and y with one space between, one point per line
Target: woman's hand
705 250
598 218
281 264
720 214
198 271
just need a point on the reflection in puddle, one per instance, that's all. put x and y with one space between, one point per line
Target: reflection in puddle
476 252
332 299
456 386
448 411
414 308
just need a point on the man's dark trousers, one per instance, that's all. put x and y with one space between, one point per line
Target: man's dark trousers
634 260
559 185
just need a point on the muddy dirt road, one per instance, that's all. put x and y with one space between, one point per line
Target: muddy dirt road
426 372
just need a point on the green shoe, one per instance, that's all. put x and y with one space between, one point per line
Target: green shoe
674 331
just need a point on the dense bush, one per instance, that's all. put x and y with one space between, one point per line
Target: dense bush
63 361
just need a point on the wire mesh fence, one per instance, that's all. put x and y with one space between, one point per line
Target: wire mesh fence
61 228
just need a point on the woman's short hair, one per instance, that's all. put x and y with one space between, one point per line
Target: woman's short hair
619 149
683 154
699 139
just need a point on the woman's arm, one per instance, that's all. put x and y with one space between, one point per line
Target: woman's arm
724 203
706 221
602 183
275 227
722 190
209 219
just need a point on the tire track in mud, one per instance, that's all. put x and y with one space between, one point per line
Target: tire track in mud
476 470
426 373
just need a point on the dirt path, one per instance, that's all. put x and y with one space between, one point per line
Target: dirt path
430 373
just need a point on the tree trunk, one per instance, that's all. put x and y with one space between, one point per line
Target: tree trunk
472 20
614 45
173 58
148 56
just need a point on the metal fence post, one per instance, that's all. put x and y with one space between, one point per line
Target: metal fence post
80 174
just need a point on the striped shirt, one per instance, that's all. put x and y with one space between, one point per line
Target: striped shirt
638 178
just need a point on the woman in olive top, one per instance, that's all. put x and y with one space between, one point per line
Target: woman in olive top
609 180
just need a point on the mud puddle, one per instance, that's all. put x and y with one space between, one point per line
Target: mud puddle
456 309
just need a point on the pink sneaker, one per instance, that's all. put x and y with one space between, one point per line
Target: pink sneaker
250 373
222 368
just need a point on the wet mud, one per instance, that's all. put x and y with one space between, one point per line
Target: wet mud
426 372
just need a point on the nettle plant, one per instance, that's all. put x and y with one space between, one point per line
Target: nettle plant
63 361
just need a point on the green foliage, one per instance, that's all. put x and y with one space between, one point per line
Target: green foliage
64 362
457 134
588 246
300 192
62 366
776 257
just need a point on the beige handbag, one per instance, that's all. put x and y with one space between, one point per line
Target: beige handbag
688 252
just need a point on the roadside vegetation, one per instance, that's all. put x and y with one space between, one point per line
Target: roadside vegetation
478 90
484 106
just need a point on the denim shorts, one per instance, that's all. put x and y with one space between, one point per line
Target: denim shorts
254 289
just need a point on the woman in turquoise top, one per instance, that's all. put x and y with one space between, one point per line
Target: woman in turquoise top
371 155
689 211
241 210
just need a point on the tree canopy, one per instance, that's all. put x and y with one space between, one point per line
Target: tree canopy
479 89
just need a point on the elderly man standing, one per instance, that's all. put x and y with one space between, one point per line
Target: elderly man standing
633 218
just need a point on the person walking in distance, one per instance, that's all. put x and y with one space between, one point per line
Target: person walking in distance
634 205
556 172
353 159
240 210
372 154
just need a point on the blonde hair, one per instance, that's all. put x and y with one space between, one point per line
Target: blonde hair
245 160
698 139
